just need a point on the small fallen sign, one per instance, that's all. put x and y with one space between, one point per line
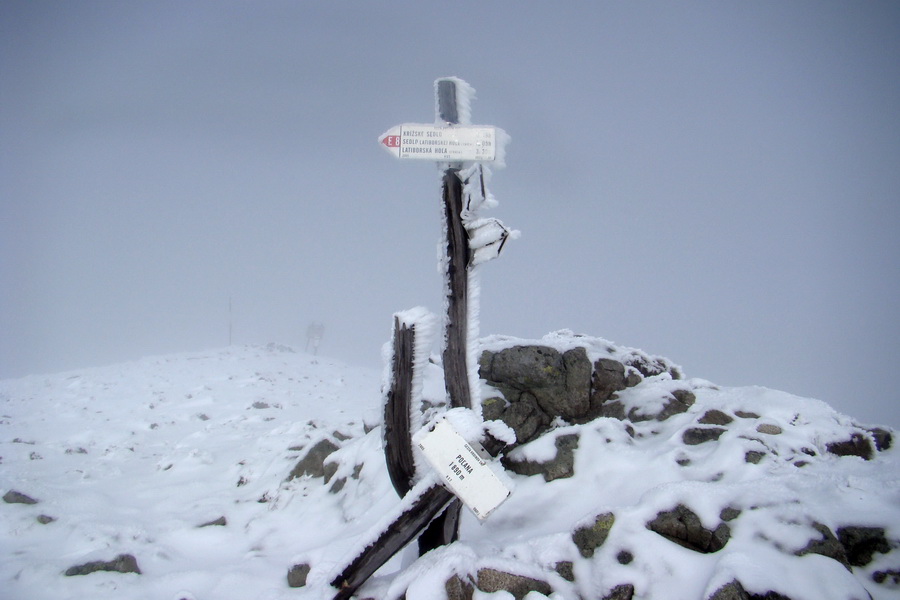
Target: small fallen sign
463 467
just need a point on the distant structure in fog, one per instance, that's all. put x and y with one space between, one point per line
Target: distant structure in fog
314 334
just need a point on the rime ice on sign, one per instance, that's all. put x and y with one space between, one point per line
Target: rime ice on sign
463 468
456 143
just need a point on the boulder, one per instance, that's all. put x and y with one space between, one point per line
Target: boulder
858 445
14 497
560 467
861 543
314 462
651 366
753 456
735 591
607 379
768 429
492 580
525 417
889 577
524 367
458 588
682 526
558 383
578 382
565 569
623 591
590 537
826 545
715 417
883 438
123 563
730 591
680 402
539 384
297 575
729 513
700 435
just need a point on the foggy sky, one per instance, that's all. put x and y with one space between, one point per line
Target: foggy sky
714 182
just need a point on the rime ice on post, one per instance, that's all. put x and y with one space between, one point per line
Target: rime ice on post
405 362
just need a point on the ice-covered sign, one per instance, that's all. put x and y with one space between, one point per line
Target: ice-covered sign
455 143
464 468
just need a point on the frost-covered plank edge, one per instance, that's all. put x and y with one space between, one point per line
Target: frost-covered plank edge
410 345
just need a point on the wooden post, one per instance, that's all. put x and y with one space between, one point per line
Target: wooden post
398 450
456 372
445 529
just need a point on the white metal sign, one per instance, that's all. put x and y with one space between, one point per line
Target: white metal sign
441 143
463 467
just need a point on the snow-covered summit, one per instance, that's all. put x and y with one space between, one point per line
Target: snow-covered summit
200 466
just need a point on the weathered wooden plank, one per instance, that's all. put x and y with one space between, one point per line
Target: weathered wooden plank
456 376
445 529
448 110
398 450
402 530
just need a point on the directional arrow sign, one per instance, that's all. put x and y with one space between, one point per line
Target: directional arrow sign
455 143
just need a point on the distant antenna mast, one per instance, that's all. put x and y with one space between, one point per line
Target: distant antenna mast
230 321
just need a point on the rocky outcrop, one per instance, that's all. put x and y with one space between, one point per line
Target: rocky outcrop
564 402
538 384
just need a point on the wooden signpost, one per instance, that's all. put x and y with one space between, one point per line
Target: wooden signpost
429 511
